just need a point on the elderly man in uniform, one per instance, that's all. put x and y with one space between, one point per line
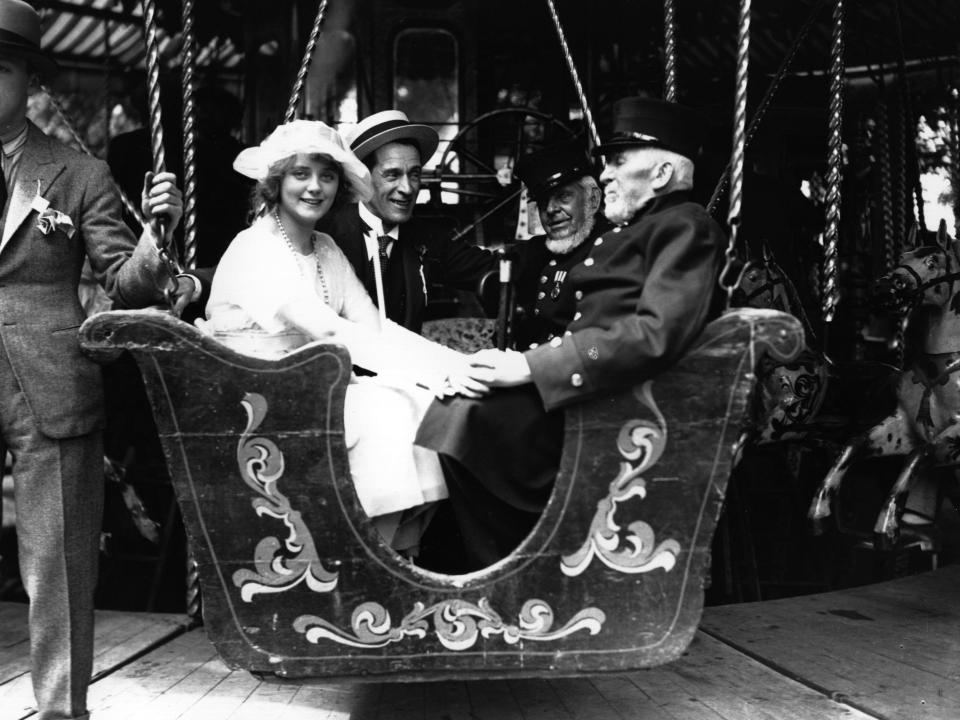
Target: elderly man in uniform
57 207
369 233
645 294
561 182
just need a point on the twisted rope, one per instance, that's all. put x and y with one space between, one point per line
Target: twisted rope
916 196
575 76
955 158
71 128
831 286
882 145
739 145
670 50
188 63
766 100
305 63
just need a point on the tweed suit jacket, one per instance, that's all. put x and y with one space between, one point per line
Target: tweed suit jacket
40 312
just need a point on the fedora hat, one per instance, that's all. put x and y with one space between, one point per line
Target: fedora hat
389 126
307 137
546 170
20 36
647 122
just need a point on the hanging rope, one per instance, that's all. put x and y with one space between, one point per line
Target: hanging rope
670 51
882 149
575 76
831 286
954 114
187 64
727 282
765 101
71 128
305 63
168 255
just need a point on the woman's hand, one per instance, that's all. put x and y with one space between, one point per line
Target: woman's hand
500 368
161 199
461 380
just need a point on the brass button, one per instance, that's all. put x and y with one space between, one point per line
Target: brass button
617 229
541 295
543 279
588 262
567 333
534 346
556 342
552 263
599 241
576 380
578 294
577 315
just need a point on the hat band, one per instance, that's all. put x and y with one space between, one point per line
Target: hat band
11 38
376 130
642 136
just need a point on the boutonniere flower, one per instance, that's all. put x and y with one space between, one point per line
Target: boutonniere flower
50 220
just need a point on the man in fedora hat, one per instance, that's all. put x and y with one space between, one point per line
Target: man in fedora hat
390 264
560 180
643 295
56 207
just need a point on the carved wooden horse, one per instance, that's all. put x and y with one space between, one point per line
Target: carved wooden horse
924 425
809 398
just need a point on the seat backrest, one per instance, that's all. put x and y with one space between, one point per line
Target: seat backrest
296 581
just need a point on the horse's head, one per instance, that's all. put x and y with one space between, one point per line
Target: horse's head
762 284
925 275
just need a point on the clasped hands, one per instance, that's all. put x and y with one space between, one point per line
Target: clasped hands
485 369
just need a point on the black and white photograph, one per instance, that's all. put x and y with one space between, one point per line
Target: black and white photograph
480 359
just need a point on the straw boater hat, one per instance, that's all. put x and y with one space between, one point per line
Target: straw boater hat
20 35
647 122
308 137
389 126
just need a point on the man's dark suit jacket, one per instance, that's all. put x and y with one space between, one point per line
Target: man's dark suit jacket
451 264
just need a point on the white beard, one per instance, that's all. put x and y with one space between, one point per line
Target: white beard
566 244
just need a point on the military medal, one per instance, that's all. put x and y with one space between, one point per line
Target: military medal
558 277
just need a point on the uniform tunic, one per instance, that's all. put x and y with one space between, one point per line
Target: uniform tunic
546 299
644 296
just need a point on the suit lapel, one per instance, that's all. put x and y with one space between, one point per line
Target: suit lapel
37 170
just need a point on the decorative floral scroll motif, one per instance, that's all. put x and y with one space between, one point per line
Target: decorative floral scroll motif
279 565
457 624
641 443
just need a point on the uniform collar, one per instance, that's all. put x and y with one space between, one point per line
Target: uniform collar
661 202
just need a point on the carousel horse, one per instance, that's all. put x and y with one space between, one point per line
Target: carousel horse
924 425
810 398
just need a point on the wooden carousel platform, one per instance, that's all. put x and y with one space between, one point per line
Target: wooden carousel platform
888 651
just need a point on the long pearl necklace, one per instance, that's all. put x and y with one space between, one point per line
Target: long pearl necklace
316 258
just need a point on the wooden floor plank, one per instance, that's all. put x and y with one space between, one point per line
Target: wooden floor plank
118 636
713 682
447 701
891 649
492 700
538 700
582 701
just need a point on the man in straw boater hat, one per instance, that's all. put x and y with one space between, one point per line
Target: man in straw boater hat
390 264
561 181
57 207
643 295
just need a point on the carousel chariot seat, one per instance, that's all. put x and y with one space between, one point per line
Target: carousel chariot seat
296 581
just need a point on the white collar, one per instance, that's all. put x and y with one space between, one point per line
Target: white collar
376 224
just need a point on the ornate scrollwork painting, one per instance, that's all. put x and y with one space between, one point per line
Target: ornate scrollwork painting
280 566
641 443
457 624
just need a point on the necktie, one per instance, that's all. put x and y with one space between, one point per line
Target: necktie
384 242
3 190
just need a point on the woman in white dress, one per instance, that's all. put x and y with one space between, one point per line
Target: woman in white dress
281 284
